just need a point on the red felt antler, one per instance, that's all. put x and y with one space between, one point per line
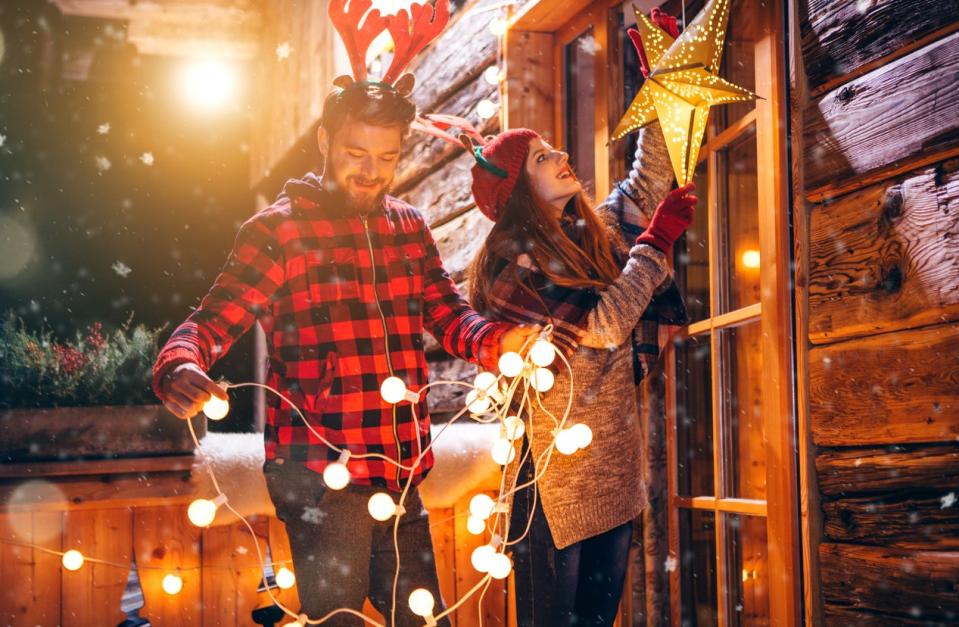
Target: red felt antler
410 36
437 125
356 39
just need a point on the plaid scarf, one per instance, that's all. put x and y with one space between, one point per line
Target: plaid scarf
521 293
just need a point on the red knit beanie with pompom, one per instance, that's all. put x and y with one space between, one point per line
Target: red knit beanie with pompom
504 154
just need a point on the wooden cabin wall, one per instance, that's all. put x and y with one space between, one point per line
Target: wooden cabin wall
877 228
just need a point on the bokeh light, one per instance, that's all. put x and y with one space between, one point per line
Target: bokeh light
208 84
18 242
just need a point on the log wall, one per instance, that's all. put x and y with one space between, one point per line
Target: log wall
879 236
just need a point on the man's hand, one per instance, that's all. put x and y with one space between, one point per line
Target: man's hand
187 388
513 339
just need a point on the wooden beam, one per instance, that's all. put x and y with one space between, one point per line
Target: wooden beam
892 388
915 518
865 471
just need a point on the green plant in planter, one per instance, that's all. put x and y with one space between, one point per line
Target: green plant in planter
93 368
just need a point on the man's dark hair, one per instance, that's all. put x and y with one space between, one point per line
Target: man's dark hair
372 103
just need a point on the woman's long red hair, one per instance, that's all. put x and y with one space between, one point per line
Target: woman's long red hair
529 226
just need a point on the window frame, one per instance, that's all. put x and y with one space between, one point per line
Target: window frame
529 90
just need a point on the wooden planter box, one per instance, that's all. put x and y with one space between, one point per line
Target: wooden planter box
63 433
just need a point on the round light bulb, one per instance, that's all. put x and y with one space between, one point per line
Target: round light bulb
486 109
422 602
475 525
285 578
393 390
216 408
542 379
482 558
72 559
481 506
381 506
510 364
336 476
477 402
542 353
500 566
172 584
498 26
514 428
566 442
751 258
582 435
492 75
485 382
201 512
503 451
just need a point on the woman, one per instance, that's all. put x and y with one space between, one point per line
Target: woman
551 259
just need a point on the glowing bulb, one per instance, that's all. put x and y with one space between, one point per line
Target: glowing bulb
422 602
486 109
542 380
499 566
482 558
566 442
285 578
381 506
498 26
300 621
475 525
336 476
542 353
216 408
72 559
492 75
201 512
393 390
481 506
485 381
751 258
503 451
477 402
514 428
510 364
582 435
208 84
172 584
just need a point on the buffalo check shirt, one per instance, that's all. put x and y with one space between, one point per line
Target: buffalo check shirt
343 300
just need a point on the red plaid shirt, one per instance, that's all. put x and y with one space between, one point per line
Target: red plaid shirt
343 301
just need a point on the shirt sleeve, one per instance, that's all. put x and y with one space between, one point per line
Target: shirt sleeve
460 330
252 274
648 181
611 322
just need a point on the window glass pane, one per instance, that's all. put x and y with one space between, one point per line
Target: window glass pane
741 399
581 106
692 254
694 417
747 568
738 65
736 186
697 545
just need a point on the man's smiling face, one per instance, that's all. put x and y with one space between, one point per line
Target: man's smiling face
361 161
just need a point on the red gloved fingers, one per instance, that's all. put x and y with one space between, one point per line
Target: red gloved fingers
638 44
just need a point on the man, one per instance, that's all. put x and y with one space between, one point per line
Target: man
343 278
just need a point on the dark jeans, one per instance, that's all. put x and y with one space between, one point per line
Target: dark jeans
578 585
342 555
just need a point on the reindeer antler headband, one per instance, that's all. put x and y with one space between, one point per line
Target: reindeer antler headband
439 125
411 32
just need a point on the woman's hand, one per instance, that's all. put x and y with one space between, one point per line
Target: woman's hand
673 216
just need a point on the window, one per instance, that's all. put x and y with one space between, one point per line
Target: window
732 494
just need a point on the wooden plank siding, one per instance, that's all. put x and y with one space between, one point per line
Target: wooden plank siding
877 185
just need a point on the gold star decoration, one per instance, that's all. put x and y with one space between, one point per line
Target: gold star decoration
682 84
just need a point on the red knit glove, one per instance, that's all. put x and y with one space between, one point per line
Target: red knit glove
662 19
671 218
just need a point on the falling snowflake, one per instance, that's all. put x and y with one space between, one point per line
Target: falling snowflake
3 139
670 564
147 158
103 164
313 515
283 50
588 45
948 500
122 269
242 550
103 129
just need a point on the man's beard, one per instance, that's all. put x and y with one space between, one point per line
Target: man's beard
346 202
